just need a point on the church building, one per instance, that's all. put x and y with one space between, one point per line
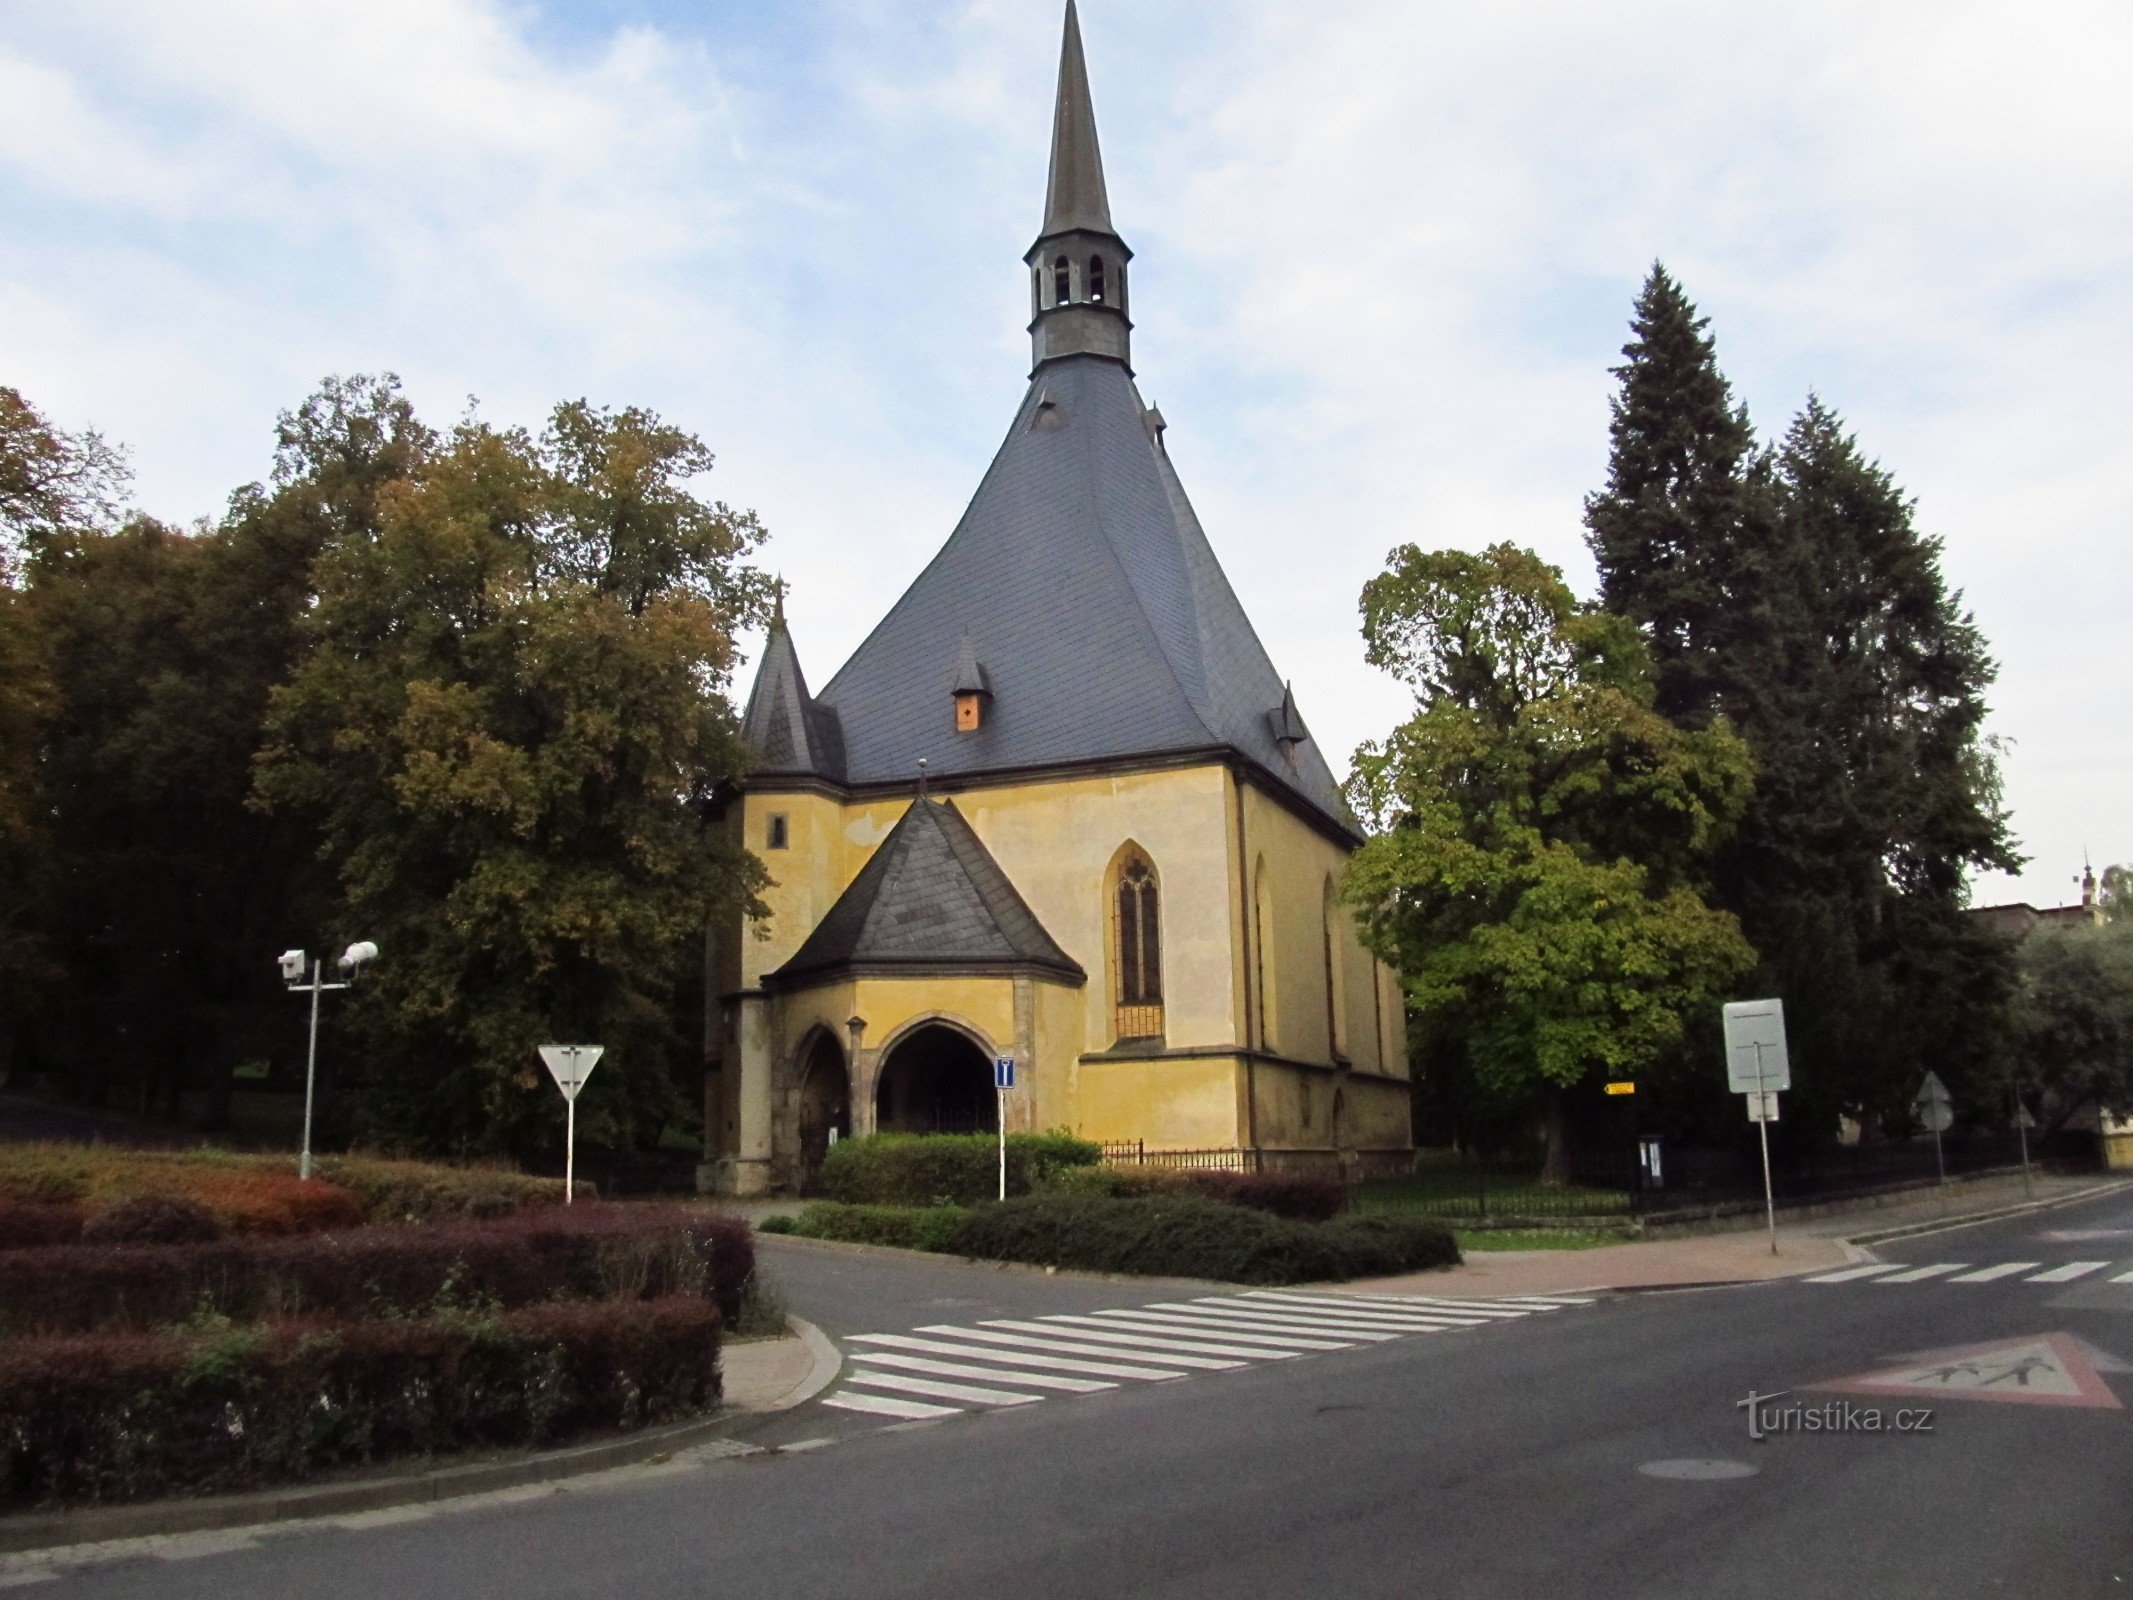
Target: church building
1059 806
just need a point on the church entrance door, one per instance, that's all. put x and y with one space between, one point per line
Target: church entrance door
825 1108
936 1081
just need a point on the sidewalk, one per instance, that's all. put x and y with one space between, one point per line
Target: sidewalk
1741 1256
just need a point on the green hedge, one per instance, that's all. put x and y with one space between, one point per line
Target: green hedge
1170 1236
134 1416
912 1169
906 1227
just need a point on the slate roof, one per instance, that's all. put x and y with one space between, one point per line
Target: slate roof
930 897
786 728
1090 593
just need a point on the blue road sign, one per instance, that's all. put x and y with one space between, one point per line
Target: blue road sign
1003 1072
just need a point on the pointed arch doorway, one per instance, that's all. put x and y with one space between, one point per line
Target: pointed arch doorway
936 1079
825 1107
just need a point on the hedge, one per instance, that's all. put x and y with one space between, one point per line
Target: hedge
1184 1236
592 1252
914 1169
262 1194
1299 1197
131 1416
907 1227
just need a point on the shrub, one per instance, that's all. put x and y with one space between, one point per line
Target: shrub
417 1191
262 1194
25 1226
908 1169
153 1219
1189 1236
1291 1195
776 1224
130 1416
591 1253
1284 1194
907 1227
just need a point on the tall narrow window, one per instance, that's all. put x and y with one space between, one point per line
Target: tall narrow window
1137 948
776 834
1262 956
1062 282
1096 279
1336 984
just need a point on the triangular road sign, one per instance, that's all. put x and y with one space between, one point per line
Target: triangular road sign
1932 1092
571 1064
2048 1369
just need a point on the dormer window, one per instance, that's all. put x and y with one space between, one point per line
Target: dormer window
969 712
1096 279
1062 282
972 689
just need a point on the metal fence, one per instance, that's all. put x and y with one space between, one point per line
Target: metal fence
1135 1153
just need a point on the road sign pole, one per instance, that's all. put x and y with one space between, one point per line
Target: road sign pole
570 1148
303 1161
2022 1133
1762 1128
1940 1160
1001 1118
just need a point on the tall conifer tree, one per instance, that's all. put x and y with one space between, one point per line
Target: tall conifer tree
1791 593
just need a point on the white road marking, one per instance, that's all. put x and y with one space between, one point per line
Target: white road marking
2006 1269
2069 1272
963 1369
1178 1352
1470 1308
1371 1316
1210 1327
1276 1322
882 1406
1920 1274
941 1342
2123 1277
1848 1274
941 1391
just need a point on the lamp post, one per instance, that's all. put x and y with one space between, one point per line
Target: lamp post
293 963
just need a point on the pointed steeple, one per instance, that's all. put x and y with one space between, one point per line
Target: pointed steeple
784 727
1078 264
1074 197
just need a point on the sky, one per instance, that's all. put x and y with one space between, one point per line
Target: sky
1384 257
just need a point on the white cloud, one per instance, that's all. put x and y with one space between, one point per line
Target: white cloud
1385 258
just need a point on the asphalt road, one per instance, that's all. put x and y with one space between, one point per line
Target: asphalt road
1502 1460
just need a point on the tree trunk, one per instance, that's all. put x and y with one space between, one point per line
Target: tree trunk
1555 1165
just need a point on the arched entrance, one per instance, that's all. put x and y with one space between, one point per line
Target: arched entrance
825 1107
936 1080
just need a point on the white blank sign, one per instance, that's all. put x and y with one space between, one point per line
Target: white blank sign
570 1065
1749 1024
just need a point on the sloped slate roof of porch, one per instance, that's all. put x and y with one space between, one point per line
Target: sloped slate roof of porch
931 899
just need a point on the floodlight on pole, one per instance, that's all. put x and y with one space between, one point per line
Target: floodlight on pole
292 964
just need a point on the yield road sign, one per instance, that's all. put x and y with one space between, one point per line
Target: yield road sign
1932 1092
571 1064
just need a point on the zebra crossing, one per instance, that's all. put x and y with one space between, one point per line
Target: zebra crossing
1881 1272
944 1369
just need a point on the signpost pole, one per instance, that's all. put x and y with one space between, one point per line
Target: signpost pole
2022 1132
1003 1079
570 1143
570 1065
303 1162
1762 1128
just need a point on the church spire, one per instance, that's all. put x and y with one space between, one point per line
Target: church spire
1078 264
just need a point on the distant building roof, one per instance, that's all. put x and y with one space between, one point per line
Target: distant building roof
930 898
2019 920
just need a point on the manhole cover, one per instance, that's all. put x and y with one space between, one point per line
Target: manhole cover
1699 1469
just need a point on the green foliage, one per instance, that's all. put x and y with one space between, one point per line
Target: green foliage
505 725
1192 1237
906 1227
1789 592
1539 830
1175 1236
2074 1017
912 1169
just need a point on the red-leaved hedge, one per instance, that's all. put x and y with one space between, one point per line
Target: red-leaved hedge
584 1253
1297 1196
132 1416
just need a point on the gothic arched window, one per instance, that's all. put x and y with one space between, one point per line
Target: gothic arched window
1062 282
1336 979
1096 279
1136 947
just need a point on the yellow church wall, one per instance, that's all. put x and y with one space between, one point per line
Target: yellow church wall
806 876
1299 862
1172 1104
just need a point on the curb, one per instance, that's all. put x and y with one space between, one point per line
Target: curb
47 1530
1946 1224
897 1252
